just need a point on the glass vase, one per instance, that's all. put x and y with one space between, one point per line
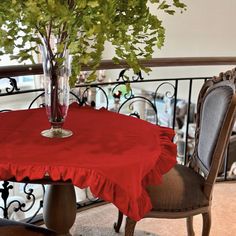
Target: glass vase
57 92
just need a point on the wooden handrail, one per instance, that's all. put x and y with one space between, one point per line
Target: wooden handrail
19 70
36 69
175 61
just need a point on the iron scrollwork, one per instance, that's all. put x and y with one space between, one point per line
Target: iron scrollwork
14 86
136 77
169 94
86 97
31 196
5 194
17 204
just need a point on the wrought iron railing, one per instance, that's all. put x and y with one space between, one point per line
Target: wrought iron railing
158 101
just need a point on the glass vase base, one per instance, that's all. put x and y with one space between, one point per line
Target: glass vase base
56 133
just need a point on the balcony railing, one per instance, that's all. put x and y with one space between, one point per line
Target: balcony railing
168 102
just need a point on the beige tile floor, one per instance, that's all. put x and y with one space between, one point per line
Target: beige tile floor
99 221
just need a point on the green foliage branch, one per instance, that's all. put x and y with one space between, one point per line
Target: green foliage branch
83 27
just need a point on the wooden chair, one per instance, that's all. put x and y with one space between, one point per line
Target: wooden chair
187 190
13 228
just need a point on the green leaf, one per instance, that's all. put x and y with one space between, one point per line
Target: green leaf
92 77
93 3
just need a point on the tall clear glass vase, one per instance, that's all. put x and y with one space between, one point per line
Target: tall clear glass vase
57 92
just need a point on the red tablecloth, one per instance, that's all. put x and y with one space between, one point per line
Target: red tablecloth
117 156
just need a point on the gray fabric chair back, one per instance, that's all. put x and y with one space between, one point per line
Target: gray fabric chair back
213 110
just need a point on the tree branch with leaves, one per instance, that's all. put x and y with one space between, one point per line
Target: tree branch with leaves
83 27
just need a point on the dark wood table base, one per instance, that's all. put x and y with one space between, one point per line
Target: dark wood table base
59 210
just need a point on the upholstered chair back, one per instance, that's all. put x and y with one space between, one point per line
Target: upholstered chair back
213 130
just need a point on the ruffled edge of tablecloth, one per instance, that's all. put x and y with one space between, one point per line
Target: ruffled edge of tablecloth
101 187
167 158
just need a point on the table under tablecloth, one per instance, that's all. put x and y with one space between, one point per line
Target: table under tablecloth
115 155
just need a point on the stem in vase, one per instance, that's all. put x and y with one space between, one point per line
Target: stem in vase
56 112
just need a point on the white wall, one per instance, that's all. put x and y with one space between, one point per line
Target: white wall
205 29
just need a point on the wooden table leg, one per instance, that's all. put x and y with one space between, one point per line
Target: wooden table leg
59 209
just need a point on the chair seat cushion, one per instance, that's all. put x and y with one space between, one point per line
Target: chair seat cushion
181 190
13 228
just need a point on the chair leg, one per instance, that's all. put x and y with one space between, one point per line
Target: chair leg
117 224
129 227
206 223
190 226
